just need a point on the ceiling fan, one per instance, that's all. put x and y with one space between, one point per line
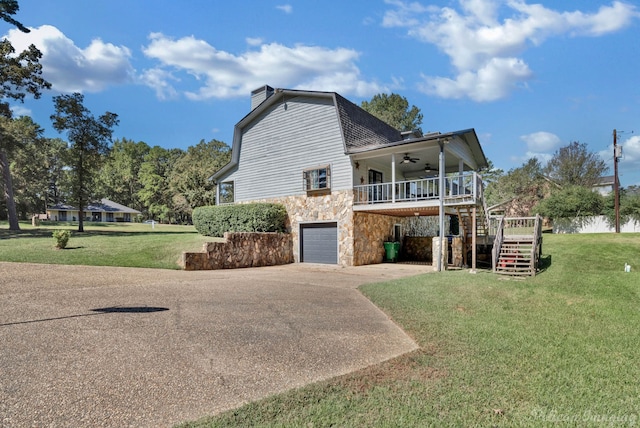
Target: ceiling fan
409 159
428 168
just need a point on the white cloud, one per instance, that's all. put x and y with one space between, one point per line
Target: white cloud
630 150
159 80
540 145
541 142
485 37
286 8
254 41
225 75
404 15
20 110
72 69
492 81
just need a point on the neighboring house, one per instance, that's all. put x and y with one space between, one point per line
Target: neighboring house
349 181
604 185
103 211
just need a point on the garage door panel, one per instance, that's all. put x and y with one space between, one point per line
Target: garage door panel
319 243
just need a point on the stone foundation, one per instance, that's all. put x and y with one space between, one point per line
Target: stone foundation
334 206
457 251
242 250
361 236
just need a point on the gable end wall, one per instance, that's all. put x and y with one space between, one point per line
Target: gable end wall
288 138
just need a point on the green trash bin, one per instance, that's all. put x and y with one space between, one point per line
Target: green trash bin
391 250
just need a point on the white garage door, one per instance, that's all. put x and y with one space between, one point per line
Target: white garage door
319 243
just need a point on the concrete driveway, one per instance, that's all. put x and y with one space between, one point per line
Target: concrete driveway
95 346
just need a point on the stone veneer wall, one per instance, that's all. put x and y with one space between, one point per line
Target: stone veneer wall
335 206
370 232
360 235
425 226
241 250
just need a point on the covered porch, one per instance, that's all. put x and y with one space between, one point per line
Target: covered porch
434 175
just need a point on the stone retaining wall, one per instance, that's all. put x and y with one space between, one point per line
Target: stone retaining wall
241 250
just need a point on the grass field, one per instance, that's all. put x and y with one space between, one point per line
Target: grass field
560 349
102 244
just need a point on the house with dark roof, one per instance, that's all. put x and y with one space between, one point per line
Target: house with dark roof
348 180
103 211
604 185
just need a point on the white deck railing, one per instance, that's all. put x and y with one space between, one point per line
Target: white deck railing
458 187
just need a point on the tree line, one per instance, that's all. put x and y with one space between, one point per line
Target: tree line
564 187
163 184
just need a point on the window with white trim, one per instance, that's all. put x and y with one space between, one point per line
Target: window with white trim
315 179
226 193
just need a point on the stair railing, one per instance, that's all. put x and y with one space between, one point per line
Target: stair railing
497 244
485 217
536 248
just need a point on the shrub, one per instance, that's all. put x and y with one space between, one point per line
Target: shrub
256 217
571 201
62 238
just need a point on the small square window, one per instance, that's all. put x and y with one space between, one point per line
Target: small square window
226 192
317 179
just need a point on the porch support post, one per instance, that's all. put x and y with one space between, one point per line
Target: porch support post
441 189
393 178
474 237
460 178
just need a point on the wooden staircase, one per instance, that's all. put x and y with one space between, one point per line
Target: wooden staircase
467 221
517 247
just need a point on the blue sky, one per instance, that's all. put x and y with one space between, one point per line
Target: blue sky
529 77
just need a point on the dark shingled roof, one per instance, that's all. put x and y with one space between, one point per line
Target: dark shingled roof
105 205
362 130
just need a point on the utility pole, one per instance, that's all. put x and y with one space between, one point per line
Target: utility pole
616 186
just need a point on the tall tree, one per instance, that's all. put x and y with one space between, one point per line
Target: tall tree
520 189
8 8
155 173
119 176
89 142
55 150
491 173
394 110
190 178
575 165
29 167
19 75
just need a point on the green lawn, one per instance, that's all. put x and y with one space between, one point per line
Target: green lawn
560 349
102 244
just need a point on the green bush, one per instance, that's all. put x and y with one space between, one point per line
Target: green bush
62 238
257 217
